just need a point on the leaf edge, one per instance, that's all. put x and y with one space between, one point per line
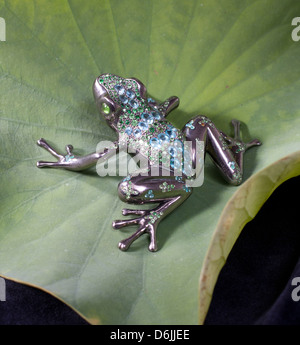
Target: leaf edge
233 219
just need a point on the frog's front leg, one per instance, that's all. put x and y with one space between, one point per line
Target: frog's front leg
168 191
165 107
70 161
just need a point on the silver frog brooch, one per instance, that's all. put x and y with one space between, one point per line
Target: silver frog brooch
170 167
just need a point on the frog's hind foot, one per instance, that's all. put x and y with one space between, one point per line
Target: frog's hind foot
236 143
147 223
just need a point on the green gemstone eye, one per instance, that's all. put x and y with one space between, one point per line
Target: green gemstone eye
105 108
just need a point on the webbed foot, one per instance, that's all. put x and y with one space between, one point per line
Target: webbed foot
236 144
147 223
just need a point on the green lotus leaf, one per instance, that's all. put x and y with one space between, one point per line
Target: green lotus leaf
226 59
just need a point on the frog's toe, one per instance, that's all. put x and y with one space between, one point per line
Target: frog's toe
236 127
123 245
127 212
236 123
41 142
237 141
254 142
144 228
69 149
118 224
153 246
43 164
146 224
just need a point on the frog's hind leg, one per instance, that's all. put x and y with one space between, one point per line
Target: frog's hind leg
168 192
226 152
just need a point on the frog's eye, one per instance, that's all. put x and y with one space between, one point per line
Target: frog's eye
105 109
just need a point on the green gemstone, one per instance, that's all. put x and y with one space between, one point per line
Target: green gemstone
105 108
152 129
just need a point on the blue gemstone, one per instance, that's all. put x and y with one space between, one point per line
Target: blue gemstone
149 194
123 99
154 142
137 132
147 117
179 145
150 100
171 132
156 115
163 137
172 128
172 151
120 89
133 103
68 157
231 165
143 126
130 94
187 189
174 163
190 125
128 130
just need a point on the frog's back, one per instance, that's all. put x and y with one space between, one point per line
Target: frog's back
141 125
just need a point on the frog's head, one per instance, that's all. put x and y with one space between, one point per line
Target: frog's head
114 94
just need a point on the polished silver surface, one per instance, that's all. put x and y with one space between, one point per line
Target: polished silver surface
142 128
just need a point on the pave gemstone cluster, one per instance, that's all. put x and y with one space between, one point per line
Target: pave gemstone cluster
142 125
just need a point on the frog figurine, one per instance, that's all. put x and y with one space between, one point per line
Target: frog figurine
142 127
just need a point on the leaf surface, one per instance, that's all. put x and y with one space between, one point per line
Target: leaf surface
226 59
